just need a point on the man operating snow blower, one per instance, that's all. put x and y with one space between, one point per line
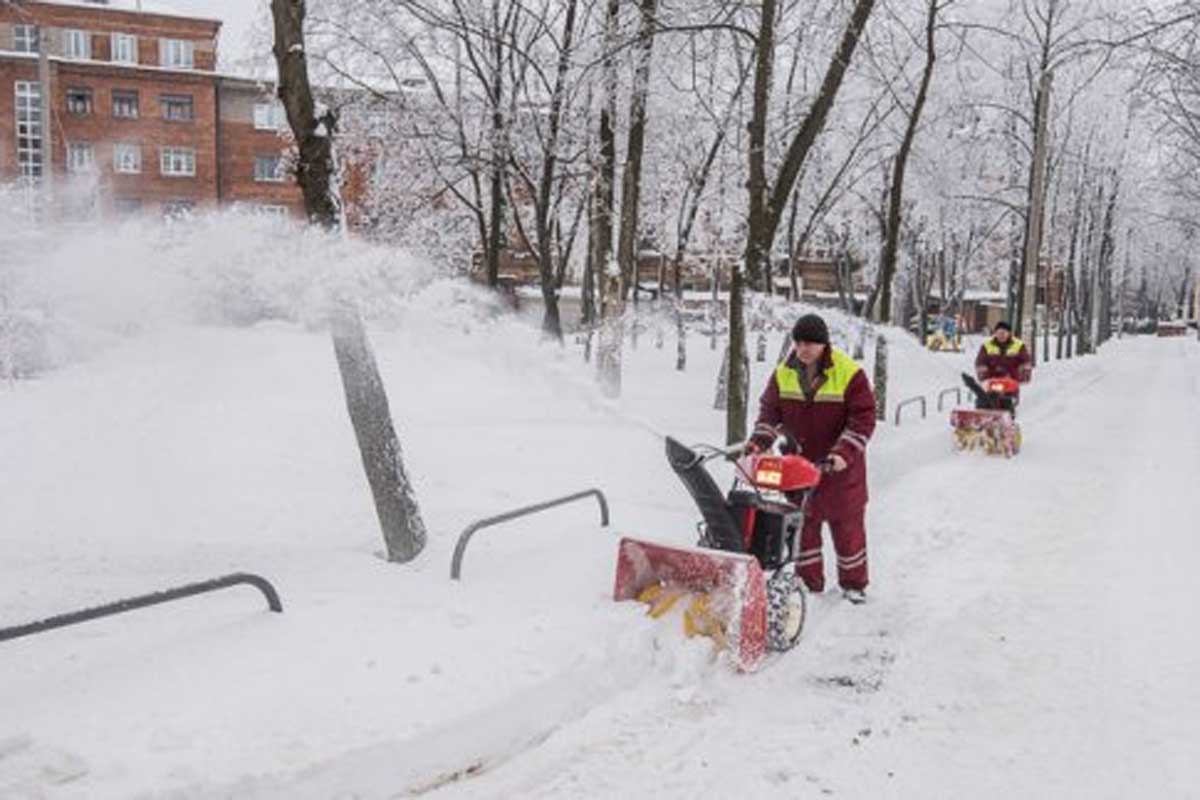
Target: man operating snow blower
822 398
1004 356
1003 364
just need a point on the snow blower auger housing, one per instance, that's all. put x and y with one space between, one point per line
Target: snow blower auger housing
991 426
739 583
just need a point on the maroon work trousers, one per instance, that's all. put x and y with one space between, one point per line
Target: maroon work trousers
849 535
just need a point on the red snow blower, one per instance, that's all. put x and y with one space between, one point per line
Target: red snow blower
738 584
991 426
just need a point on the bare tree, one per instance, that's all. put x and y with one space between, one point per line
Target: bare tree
631 186
600 230
768 203
366 399
887 266
542 191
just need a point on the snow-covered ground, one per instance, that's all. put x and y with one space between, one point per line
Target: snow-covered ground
1030 629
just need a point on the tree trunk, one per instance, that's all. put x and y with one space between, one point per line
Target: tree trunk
631 183
366 400
735 416
887 263
588 289
608 356
1105 265
551 324
1026 311
757 256
881 377
497 177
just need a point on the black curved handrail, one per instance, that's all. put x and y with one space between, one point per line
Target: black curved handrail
141 601
944 393
918 399
461 547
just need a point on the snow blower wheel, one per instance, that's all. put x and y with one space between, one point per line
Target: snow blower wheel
786 610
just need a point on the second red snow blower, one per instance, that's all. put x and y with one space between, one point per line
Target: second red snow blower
738 586
991 426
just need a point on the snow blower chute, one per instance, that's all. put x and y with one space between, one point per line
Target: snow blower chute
991 426
738 585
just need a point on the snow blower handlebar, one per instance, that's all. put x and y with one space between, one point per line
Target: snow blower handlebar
732 452
751 447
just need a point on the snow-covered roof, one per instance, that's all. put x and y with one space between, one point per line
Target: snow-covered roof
983 294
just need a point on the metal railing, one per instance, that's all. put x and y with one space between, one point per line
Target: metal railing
132 603
900 407
461 547
955 390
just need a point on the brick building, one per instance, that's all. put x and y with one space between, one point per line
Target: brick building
138 119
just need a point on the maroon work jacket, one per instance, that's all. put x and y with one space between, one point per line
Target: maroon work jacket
823 428
1008 360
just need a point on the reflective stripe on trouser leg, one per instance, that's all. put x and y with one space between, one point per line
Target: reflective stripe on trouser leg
849 536
809 565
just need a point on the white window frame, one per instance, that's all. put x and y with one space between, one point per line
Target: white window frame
181 99
82 91
268 116
177 162
124 48
77 44
27 104
127 158
177 53
25 38
127 93
81 158
277 176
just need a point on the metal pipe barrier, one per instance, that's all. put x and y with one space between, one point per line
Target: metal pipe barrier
908 402
121 606
461 547
957 391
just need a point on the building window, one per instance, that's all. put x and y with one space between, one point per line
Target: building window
178 161
127 158
29 128
269 117
124 48
25 38
77 44
178 53
177 107
125 104
79 100
268 169
80 157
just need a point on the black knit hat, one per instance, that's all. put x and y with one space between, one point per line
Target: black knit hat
1002 325
810 328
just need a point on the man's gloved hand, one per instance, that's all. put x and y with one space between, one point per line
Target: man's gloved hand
836 463
751 448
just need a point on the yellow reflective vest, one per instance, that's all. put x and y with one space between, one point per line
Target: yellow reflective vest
833 390
993 349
